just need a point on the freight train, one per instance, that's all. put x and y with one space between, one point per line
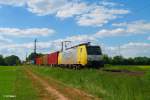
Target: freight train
79 56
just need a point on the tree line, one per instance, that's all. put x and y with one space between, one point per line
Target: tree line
10 60
15 60
120 60
116 60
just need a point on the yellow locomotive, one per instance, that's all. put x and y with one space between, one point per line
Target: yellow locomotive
82 55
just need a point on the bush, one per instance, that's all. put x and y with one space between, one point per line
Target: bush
12 60
120 60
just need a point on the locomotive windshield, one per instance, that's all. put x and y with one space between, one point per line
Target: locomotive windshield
93 50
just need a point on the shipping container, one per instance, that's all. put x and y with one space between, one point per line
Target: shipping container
53 58
45 59
38 62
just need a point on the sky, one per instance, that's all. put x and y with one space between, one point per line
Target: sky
118 26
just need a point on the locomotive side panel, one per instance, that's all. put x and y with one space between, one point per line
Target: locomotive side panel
60 58
82 55
68 56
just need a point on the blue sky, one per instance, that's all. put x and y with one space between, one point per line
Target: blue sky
114 24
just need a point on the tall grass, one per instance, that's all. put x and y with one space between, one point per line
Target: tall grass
106 85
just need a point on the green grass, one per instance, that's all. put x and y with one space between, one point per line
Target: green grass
13 81
7 78
102 84
131 67
106 85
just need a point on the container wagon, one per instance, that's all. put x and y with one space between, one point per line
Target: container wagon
53 58
38 61
45 59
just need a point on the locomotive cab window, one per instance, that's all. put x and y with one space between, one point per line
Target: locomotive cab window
94 50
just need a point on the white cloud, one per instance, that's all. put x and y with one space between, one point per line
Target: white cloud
3 40
8 47
26 32
45 7
86 14
138 27
40 7
132 28
91 14
81 38
135 27
109 33
71 9
100 15
106 3
13 2
132 49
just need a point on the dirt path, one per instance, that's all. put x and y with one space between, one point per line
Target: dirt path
48 89
54 90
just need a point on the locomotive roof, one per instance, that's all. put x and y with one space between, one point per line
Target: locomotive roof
88 43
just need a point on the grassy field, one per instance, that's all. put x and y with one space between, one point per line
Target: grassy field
14 85
106 85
